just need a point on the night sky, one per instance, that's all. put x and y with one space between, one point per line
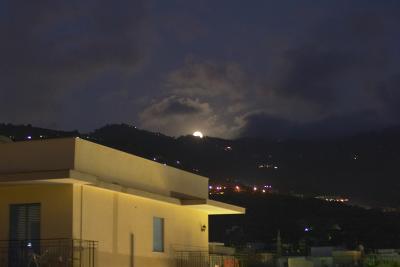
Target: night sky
227 68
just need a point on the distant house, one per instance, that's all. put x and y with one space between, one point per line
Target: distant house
70 202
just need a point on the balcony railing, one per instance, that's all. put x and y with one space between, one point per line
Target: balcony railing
48 253
206 259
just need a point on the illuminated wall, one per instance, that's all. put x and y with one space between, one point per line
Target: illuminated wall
78 159
92 192
56 207
90 213
111 218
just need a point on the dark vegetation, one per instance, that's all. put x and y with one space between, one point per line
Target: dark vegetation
304 222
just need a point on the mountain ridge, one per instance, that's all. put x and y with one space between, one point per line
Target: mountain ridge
361 166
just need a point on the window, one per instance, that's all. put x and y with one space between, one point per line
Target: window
24 231
158 234
24 221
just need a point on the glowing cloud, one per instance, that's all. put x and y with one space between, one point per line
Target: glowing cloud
198 134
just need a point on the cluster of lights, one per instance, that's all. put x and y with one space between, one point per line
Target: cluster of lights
263 189
217 190
333 199
220 190
267 166
217 187
30 137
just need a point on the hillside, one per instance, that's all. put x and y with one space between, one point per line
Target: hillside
304 221
363 167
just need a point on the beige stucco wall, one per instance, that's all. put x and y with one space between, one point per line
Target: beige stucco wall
110 218
56 207
91 213
38 155
93 163
82 211
128 170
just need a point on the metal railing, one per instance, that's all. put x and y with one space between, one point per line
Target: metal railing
192 258
206 259
48 253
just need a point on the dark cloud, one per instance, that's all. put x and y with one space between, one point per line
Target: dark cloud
311 73
208 79
185 27
260 124
338 59
177 106
388 93
182 107
318 83
49 48
338 79
202 96
185 114
182 66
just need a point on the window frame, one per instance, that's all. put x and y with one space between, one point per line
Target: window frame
160 223
28 231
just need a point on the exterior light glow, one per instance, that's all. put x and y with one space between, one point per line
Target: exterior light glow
228 148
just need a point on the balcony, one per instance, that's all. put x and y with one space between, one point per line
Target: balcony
48 253
206 259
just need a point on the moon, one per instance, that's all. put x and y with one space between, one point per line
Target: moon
198 134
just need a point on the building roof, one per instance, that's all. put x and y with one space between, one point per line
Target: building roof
75 160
